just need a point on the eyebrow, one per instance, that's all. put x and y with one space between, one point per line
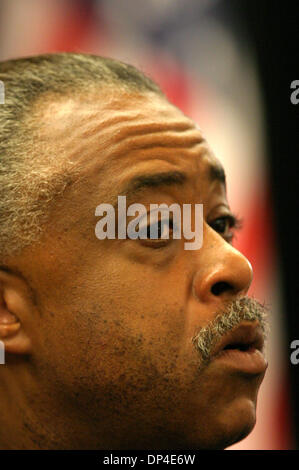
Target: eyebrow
170 178
6 269
142 182
217 173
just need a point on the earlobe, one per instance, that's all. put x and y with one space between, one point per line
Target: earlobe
16 342
12 334
8 330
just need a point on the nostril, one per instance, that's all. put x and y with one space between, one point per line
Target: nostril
219 287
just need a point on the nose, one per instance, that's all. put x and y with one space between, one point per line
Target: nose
222 273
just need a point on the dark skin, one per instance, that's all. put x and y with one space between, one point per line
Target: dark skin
98 333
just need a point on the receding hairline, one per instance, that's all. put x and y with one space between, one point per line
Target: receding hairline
57 77
27 184
79 78
60 72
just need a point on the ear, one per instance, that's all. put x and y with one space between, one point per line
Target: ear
14 309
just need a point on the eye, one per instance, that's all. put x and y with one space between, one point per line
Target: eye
158 227
226 226
157 234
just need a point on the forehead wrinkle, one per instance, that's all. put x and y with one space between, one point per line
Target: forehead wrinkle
160 143
119 129
124 162
111 135
149 162
118 126
101 135
97 142
90 129
83 114
111 149
181 128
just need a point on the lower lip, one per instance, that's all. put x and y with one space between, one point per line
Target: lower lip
251 361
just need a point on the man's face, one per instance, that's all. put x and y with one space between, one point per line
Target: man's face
112 347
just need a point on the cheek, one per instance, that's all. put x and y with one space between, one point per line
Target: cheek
142 335
124 322
140 314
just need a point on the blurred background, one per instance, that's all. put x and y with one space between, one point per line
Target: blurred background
225 64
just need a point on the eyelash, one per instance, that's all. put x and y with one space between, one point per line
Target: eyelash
233 221
159 242
234 224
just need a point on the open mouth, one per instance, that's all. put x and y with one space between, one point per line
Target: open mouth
245 337
242 348
239 346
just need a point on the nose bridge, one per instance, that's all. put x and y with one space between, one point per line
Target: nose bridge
222 271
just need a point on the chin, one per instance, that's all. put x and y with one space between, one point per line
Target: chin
232 425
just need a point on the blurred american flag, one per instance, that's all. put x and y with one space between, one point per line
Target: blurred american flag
200 55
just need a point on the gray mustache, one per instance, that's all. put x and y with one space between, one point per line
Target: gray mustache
244 308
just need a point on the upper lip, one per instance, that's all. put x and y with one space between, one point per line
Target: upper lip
245 335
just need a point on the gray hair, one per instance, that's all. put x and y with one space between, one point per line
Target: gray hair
29 181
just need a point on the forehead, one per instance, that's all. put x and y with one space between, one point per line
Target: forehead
121 131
